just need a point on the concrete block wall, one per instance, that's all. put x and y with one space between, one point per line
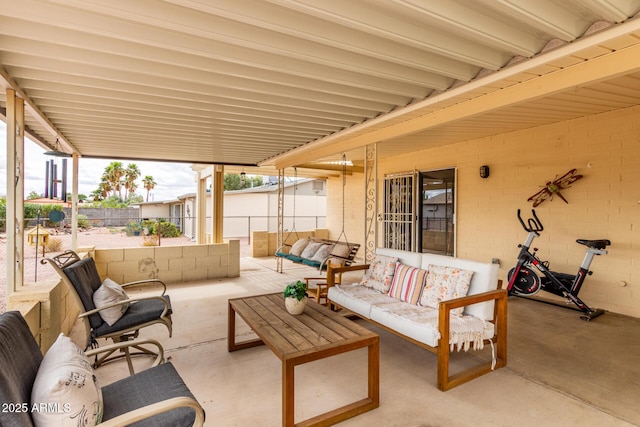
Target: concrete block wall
171 264
50 306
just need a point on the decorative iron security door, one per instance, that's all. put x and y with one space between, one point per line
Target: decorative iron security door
398 212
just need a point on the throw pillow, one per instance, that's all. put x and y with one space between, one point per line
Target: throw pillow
322 253
66 391
340 250
311 249
298 247
407 283
110 292
445 283
380 273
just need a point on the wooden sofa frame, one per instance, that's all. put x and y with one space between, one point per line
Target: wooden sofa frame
445 381
283 252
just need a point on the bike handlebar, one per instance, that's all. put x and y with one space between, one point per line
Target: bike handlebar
534 224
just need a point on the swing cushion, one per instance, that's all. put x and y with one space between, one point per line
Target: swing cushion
311 250
322 253
339 250
311 263
298 247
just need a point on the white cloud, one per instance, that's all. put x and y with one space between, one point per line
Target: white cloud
172 179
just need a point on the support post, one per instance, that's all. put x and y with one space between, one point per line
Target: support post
218 204
74 202
201 209
15 192
280 234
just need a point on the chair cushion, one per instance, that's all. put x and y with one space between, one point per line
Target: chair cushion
380 273
144 388
110 292
85 279
407 283
138 313
298 247
445 283
20 359
66 388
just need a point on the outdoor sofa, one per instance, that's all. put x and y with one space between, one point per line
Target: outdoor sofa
423 297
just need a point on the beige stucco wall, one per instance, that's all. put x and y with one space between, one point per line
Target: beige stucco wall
604 204
354 210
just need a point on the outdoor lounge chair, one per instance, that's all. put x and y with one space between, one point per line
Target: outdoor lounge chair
155 397
81 275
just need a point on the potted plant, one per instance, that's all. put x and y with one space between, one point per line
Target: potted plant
295 297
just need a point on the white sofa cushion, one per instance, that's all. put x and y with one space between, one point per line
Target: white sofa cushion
357 298
380 273
421 324
414 259
407 283
445 283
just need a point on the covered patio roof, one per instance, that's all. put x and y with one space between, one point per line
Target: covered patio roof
283 83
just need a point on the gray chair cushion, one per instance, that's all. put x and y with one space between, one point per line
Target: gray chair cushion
138 313
144 388
85 279
20 358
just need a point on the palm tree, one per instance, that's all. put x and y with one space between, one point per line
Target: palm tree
131 173
96 195
149 184
114 173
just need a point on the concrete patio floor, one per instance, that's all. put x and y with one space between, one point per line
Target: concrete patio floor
561 371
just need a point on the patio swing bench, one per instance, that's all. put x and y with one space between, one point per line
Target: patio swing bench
316 252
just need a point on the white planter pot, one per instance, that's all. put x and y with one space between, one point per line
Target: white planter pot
295 306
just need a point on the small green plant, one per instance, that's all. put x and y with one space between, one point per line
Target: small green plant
83 221
296 289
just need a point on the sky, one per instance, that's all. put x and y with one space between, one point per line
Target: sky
172 179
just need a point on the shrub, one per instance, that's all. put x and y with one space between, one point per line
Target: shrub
83 221
165 229
53 245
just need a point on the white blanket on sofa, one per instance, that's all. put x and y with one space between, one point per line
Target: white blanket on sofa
465 331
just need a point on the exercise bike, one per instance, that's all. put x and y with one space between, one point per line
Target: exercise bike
524 281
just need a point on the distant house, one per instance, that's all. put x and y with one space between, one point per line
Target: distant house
251 209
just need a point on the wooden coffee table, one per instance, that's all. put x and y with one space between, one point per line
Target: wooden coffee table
315 334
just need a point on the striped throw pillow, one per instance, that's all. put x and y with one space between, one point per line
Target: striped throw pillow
407 283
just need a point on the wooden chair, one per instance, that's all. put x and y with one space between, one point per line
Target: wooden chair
318 287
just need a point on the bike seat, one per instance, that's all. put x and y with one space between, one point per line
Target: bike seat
595 244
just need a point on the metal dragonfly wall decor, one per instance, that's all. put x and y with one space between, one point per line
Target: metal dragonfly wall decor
552 188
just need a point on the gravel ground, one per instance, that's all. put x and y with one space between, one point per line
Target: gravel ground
101 238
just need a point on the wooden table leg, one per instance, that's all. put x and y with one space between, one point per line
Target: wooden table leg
374 372
231 334
288 393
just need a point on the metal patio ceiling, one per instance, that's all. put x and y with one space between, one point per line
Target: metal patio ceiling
283 82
